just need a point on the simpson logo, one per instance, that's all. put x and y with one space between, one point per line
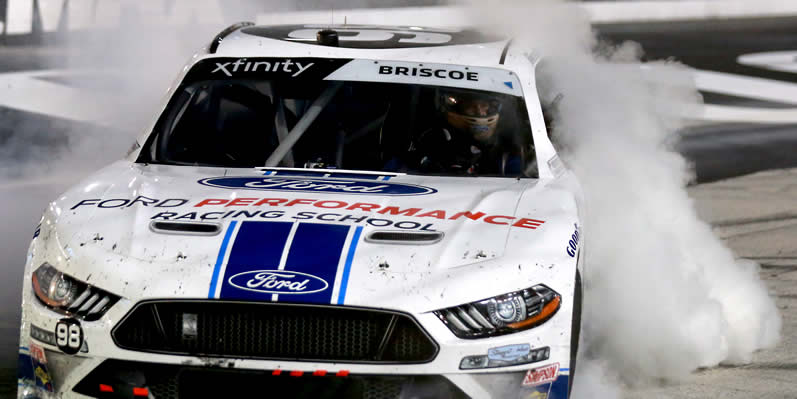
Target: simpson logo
317 185
541 375
287 66
278 282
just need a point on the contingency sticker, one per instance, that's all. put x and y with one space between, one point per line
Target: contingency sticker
541 375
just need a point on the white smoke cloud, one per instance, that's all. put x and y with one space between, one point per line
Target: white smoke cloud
665 296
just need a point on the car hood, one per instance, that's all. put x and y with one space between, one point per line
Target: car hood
298 236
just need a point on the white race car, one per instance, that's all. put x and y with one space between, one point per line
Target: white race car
319 211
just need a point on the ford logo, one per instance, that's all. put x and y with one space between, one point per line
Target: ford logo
315 185
278 282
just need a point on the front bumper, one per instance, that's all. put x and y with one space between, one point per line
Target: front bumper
169 375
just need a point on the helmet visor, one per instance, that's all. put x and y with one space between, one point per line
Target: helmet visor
472 105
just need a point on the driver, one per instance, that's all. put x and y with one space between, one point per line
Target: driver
464 140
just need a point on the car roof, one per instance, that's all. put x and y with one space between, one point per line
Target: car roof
416 44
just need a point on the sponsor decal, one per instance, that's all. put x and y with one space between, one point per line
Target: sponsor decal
439 73
272 261
572 246
304 215
541 375
69 336
32 374
266 68
39 363
37 353
42 377
315 185
344 213
127 203
274 282
538 395
287 66
508 353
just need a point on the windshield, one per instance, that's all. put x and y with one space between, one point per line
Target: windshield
311 113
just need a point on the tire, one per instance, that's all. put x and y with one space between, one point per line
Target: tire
575 331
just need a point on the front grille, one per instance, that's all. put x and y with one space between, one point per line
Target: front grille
274 331
178 381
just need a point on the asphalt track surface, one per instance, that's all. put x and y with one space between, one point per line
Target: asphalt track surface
756 214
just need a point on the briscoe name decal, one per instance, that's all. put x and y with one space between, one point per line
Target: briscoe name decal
317 185
429 72
294 68
264 261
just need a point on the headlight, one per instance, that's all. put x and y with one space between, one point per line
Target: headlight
53 287
68 295
503 314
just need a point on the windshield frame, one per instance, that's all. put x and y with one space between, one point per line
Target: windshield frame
342 70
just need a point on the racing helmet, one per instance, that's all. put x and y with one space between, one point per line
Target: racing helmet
475 113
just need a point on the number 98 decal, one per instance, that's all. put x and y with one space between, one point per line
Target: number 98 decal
69 336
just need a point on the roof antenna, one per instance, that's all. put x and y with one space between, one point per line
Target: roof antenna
328 37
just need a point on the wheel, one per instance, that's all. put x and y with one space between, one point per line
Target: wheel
575 331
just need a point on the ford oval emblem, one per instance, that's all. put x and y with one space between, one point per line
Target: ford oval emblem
278 282
316 185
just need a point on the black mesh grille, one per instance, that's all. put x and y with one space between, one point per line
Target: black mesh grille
275 331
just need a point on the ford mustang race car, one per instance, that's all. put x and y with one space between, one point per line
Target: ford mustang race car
319 211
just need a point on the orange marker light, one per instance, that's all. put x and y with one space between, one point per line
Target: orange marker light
320 373
140 392
342 373
276 372
296 373
106 388
549 309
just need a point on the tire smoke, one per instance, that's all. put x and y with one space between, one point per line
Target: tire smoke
664 296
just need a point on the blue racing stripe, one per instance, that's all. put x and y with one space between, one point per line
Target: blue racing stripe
316 250
257 247
344 280
220 259
559 388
